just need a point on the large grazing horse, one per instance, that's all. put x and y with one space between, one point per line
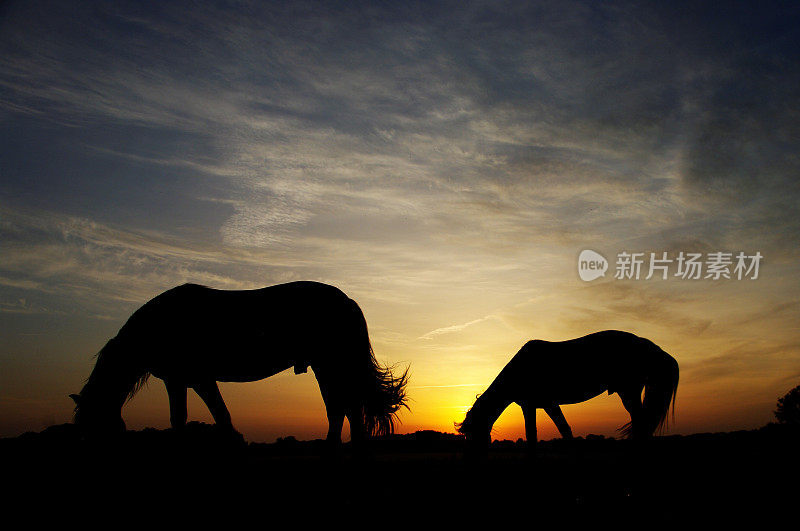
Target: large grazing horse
546 374
194 336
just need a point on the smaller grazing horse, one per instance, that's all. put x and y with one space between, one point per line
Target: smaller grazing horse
193 337
546 374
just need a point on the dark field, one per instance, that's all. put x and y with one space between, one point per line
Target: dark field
200 475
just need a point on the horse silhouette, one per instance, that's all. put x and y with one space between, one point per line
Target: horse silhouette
195 336
546 374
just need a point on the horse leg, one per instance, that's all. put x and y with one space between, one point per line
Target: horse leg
529 412
177 404
632 401
335 423
358 432
209 392
339 404
554 412
334 410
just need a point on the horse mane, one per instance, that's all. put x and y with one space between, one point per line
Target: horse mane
459 426
113 368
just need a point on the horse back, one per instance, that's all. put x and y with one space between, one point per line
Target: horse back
584 366
191 306
239 335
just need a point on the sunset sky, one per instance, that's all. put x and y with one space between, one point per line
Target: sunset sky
443 163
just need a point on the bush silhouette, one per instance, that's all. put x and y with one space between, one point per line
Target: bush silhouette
788 410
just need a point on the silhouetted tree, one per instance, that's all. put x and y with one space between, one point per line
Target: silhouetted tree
788 410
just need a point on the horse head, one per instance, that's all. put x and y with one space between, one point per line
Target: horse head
477 433
96 417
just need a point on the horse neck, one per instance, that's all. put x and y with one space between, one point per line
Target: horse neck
491 404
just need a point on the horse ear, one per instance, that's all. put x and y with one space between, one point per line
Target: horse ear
76 398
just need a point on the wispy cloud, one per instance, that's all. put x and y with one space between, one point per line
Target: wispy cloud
445 386
454 328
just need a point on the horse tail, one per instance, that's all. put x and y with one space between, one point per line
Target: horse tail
382 393
660 391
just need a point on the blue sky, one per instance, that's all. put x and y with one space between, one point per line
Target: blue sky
443 163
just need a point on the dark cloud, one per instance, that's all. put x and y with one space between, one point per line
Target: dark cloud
579 118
